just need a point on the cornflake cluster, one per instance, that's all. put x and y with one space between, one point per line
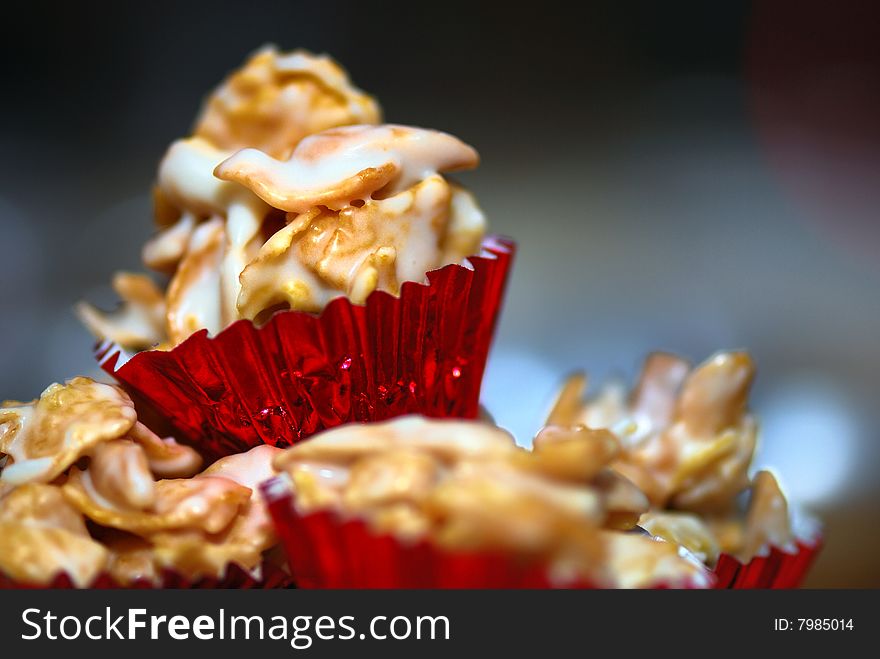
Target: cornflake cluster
291 193
87 489
467 486
687 441
288 194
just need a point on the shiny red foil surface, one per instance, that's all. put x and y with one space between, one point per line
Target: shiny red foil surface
778 569
422 352
326 552
235 577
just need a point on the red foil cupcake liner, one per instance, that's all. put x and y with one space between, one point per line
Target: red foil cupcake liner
422 352
778 568
272 576
325 551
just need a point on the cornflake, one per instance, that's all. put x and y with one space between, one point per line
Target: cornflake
345 212
277 99
45 437
42 536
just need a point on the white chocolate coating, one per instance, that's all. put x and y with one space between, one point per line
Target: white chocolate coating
79 453
342 165
276 99
194 295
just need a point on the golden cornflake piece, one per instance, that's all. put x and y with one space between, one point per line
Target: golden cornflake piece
41 536
466 486
193 554
687 441
687 438
728 531
277 99
447 439
119 473
193 300
339 166
580 454
714 434
46 436
604 411
35 555
208 504
714 396
492 506
654 398
622 500
138 323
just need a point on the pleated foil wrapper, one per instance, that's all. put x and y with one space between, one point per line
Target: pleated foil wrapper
269 576
326 551
777 568
422 352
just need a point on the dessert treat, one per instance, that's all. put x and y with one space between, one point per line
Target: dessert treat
323 270
428 503
256 235
687 441
90 496
279 202
291 197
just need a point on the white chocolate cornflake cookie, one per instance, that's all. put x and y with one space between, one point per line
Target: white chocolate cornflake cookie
466 486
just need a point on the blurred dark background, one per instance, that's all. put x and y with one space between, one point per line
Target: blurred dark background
689 177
